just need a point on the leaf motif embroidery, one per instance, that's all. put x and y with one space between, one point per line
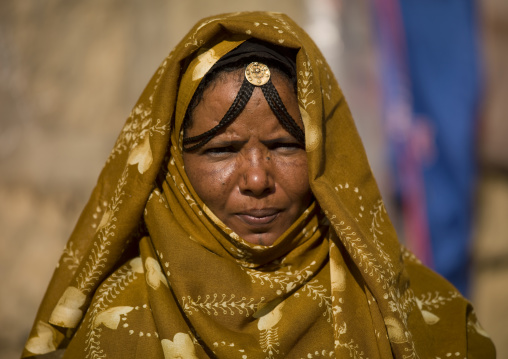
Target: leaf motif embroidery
154 275
111 317
180 347
67 312
206 61
44 341
141 155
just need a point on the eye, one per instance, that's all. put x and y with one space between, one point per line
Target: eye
219 150
286 146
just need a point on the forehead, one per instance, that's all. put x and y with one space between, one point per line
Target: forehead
218 97
224 87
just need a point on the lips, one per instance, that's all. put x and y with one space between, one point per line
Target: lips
259 217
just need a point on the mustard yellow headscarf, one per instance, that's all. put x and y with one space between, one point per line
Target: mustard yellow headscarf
150 272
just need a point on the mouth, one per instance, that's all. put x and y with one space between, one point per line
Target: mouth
259 217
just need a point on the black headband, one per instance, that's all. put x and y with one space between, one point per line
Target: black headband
256 50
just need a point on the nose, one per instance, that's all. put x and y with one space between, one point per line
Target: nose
257 177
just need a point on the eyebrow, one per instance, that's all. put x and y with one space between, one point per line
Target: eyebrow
282 139
226 143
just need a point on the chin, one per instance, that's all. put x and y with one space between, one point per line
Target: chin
262 239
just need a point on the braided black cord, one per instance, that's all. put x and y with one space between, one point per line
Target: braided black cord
274 101
246 86
242 97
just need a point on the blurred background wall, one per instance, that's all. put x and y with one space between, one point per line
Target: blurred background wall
490 282
71 71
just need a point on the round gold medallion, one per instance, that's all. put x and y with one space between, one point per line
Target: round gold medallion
257 73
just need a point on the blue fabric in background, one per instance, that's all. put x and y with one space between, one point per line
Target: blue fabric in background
445 81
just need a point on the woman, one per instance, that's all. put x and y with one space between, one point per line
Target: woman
237 217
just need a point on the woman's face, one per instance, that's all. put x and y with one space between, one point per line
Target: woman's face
253 174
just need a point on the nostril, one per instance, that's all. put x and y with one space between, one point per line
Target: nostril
257 182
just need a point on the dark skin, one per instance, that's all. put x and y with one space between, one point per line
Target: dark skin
253 175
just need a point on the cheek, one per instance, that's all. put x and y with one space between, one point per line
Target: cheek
210 181
295 179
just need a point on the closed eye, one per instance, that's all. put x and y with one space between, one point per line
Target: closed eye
285 146
220 150
217 147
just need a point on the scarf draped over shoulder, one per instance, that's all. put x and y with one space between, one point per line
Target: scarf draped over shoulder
150 272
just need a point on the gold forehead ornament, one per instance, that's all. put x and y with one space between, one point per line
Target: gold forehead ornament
257 73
